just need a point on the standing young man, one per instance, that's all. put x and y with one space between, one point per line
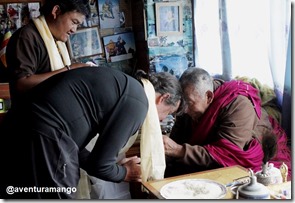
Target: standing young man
38 51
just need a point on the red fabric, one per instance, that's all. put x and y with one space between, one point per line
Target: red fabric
223 151
228 154
224 94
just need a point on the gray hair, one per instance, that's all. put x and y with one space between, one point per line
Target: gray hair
165 82
198 78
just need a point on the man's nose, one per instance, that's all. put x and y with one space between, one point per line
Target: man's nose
74 28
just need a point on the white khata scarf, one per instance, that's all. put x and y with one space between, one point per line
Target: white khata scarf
152 151
58 52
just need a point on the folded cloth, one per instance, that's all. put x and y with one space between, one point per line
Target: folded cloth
57 50
152 151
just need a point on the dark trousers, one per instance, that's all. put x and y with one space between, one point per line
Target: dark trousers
41 165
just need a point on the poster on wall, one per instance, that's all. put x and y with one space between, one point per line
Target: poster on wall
174 64
109 13
92 20
119 47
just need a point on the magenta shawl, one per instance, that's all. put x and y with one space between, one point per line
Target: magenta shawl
224 94
223 151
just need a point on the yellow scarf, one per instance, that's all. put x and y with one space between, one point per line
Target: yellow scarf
152 151
58 52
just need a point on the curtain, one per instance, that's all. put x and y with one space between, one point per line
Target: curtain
287 95
225 42
280 19
248 30
207 48
240 38
247 38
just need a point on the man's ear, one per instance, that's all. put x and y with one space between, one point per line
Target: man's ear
55 11
210 96
160 98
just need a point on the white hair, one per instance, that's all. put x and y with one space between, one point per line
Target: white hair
198 78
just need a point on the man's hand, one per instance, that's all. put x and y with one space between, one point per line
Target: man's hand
172 148
80 65
132 165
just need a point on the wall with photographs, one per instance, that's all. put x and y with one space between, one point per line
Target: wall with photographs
13 15
169 35
151 44
112 40
114 33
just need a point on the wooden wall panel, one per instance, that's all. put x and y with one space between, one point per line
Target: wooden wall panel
4 91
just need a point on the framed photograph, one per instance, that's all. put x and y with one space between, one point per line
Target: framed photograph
153 42
85 42
119 47
169 18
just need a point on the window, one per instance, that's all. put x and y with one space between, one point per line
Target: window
248 27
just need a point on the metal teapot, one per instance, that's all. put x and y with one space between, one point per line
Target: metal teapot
253 189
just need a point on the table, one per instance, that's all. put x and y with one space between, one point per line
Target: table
222 175
277 188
